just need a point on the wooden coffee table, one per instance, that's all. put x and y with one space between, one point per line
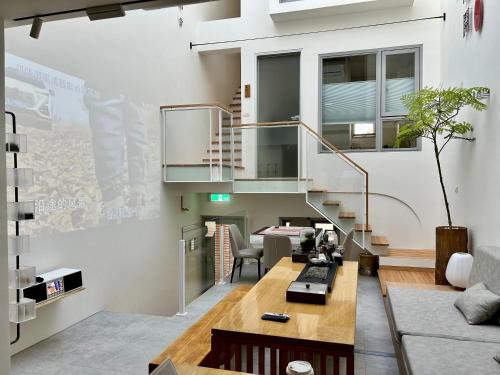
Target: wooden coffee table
321 335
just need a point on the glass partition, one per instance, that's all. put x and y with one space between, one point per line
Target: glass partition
197 143
336 186
271 158
199 260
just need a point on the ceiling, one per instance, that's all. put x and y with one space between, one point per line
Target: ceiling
19 12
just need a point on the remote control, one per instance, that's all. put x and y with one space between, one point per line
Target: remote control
275 317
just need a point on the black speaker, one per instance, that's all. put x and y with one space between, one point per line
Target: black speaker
73 281
54 284
38 292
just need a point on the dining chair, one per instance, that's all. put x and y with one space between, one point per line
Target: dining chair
275 248
241 251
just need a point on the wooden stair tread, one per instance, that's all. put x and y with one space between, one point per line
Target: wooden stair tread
228 132
317 191
331 203
347 215
193 346
226 142
216 160
379 241
412 253
216 150
198 165
423 278
235 105
359 228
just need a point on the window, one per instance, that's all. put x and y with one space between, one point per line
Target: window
361 107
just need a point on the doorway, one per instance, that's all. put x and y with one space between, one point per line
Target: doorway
220 238
278 99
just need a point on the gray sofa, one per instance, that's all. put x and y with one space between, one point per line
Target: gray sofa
431 336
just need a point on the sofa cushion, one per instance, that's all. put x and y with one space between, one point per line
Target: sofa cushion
478 304
439 356
485 268
424 312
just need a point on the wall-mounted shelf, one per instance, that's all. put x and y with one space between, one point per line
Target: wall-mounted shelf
20 211
19 245
19 177
55 299
22 311
16 143
22 277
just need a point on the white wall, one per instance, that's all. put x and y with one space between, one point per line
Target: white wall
4 306
131 266
260 209
408 176
471 169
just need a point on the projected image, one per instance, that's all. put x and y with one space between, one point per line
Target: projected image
92 150
55 288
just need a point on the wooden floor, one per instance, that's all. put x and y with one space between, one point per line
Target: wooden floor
194 345
419 278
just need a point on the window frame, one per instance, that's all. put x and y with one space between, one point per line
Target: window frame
381 116
383 81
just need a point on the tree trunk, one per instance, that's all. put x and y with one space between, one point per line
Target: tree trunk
447 205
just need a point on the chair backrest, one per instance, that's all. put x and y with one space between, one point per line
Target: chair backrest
237 242
485 268
275 248
348 246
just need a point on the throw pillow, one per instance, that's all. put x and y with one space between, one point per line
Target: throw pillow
478 304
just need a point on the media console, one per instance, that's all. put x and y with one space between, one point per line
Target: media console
55 284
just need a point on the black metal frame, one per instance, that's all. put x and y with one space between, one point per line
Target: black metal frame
16 199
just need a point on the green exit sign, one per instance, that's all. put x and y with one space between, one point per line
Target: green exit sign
218 197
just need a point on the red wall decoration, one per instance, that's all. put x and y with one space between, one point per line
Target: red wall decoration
478 15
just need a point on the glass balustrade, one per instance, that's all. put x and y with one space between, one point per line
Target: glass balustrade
270 158
336 185
199 260
197 143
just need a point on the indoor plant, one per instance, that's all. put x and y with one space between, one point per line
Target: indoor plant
433 114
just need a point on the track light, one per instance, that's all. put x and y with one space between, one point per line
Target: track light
36 27
105 11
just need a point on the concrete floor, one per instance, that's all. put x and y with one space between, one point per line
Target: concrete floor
110 343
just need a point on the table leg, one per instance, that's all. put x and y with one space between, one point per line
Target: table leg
215 352
350 363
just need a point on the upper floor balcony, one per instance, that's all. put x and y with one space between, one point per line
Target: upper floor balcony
284 10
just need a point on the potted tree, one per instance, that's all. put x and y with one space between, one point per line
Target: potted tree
433 115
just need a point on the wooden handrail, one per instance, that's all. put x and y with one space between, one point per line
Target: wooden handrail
277 124
320 139
197 105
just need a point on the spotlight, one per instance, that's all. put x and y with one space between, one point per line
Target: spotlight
36 27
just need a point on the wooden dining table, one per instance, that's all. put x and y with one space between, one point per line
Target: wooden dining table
323 335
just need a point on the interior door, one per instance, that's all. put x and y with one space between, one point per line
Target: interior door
278 97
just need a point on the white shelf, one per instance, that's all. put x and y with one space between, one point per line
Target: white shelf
23 277
18 245
15 143
55 299
19 211
19 177
23 311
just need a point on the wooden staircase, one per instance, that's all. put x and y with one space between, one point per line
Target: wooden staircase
224 139
375 243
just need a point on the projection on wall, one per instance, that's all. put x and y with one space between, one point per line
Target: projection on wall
95 153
